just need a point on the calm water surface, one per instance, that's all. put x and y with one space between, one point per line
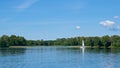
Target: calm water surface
59 57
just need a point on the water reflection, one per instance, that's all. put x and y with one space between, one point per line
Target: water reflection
102 50
83 52
12 51
12 57
59 57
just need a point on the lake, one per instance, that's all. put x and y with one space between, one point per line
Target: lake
59 57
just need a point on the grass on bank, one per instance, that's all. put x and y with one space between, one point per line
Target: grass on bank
57 46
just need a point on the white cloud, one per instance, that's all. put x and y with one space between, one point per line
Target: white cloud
78 27
116 17
110 25
26 4
107 23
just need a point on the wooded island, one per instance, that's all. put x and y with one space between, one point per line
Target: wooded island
99 42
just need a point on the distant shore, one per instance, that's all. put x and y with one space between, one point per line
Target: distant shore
105 41
57 46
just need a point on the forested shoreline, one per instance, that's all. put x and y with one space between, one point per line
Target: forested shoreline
99 42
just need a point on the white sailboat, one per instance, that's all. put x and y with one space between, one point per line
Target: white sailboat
83 45
83 51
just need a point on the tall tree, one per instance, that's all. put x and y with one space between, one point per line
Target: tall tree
4 41
106 41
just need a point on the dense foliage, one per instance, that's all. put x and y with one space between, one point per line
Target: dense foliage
104 41
6 41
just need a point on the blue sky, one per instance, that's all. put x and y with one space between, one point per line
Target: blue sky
51 19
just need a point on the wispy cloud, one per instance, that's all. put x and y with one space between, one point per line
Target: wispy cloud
76 6
5 19
107 23
115 28
110 25
26 4
116 17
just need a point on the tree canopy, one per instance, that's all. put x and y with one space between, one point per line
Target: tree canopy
104 41
13 40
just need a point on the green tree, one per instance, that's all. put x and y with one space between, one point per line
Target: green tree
106 41
4 41
21 41
115 41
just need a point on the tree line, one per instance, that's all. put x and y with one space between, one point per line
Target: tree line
6 41
104 41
